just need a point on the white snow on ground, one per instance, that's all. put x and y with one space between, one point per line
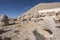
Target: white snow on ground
49 10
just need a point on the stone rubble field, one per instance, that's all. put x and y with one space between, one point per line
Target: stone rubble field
31 26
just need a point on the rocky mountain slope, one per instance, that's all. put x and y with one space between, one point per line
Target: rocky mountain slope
42 6
33 25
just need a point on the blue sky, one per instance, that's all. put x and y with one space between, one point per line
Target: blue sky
14 8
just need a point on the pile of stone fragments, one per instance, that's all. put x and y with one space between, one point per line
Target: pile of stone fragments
30 27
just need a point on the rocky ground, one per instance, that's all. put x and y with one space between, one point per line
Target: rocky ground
31 27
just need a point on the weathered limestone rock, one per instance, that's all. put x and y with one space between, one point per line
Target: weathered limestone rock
56 18
50 13
47 24
36 15
42 14
30 15
4 20
34 19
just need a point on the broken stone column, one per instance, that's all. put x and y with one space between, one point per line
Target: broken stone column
36 15
4 20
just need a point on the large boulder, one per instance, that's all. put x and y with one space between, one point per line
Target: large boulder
4 20
47 23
